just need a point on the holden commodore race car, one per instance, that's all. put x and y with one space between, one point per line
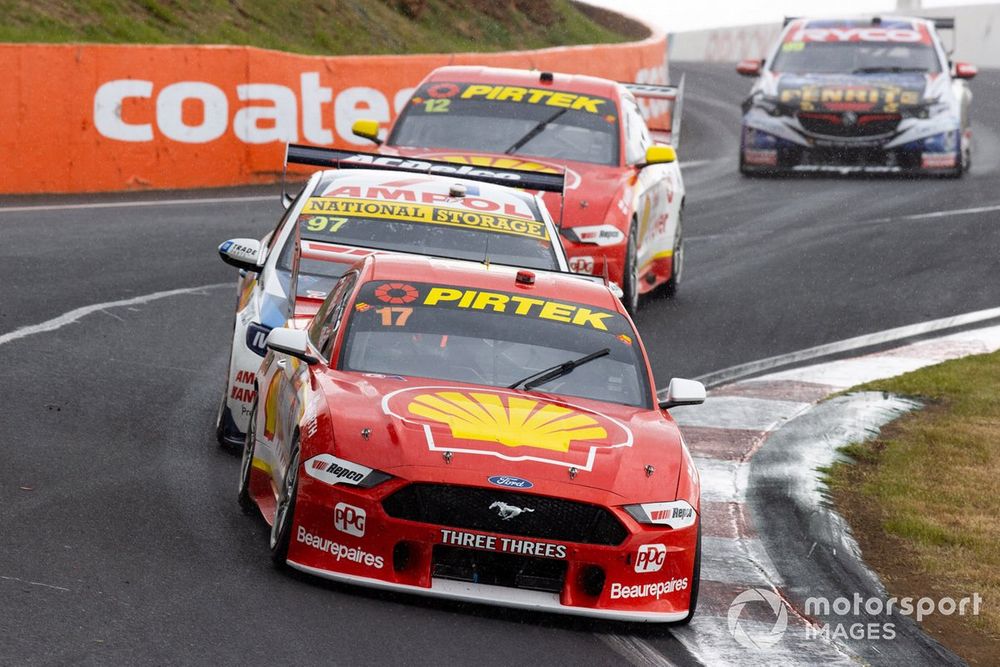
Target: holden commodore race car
364 203
874 95
621 213
486 434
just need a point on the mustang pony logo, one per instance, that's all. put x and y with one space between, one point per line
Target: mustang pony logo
507 425
508 512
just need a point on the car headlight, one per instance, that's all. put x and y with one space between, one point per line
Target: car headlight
675 514
601 235
331 470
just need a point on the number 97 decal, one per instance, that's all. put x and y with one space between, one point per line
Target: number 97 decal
323 223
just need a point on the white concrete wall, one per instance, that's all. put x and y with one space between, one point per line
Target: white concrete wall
977 38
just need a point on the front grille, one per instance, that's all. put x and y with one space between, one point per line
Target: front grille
470 507
486 567
833 124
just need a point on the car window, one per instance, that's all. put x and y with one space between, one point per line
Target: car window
846 47
539 122
493 338
327 320
637 138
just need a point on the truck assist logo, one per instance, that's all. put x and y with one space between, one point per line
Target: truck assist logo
507 425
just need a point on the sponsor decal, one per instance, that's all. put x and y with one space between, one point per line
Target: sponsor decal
316 219
339 551
510 482
242 394
349 519
396 293
650 558
765 157
850 98
517 304
507 545
937 160
552 98
257 338
508 512
395 191
507 425
625 338
858 35
677 514
652 590
582 264
426 167
332 470
361 306
511 162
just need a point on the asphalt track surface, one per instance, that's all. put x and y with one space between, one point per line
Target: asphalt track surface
121 538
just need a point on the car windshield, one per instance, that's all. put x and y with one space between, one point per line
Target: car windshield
806 57
493 338
316 277
441 231
484 118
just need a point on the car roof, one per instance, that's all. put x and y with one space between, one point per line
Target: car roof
434 184
547 284
577 83
855 20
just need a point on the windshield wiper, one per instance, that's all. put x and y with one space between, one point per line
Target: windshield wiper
882 68
534 132
549 374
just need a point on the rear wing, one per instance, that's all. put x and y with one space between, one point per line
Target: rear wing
332 158
662 102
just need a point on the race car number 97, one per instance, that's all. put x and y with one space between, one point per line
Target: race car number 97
323 223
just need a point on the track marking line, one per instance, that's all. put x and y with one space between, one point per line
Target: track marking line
941 214
34 583
635 650
126 204
78 313
741 371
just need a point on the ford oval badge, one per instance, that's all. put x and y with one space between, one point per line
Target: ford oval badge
510 482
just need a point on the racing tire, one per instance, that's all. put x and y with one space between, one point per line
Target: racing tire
246 501
284 511
695 581
630 278
220 417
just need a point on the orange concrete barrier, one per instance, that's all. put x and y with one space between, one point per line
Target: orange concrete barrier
85 118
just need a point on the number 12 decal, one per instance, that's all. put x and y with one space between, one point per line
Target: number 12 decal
436 106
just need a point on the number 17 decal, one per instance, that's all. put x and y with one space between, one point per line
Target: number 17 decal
402 314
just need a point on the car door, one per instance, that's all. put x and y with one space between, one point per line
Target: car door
286 383
653 190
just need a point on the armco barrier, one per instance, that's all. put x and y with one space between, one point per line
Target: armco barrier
84 118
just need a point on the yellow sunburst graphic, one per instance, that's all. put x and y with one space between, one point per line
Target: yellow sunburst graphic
498 162
513 421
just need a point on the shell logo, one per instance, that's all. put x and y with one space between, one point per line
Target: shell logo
572 178
518 422
508 425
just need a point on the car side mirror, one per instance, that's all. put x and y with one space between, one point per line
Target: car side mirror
366 129
749 67
683 392
241 253
659 155
965 71
293 342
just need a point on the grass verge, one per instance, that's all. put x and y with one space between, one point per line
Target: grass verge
923 498
317 26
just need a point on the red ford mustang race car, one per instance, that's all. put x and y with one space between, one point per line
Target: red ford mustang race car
624 191
480 433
